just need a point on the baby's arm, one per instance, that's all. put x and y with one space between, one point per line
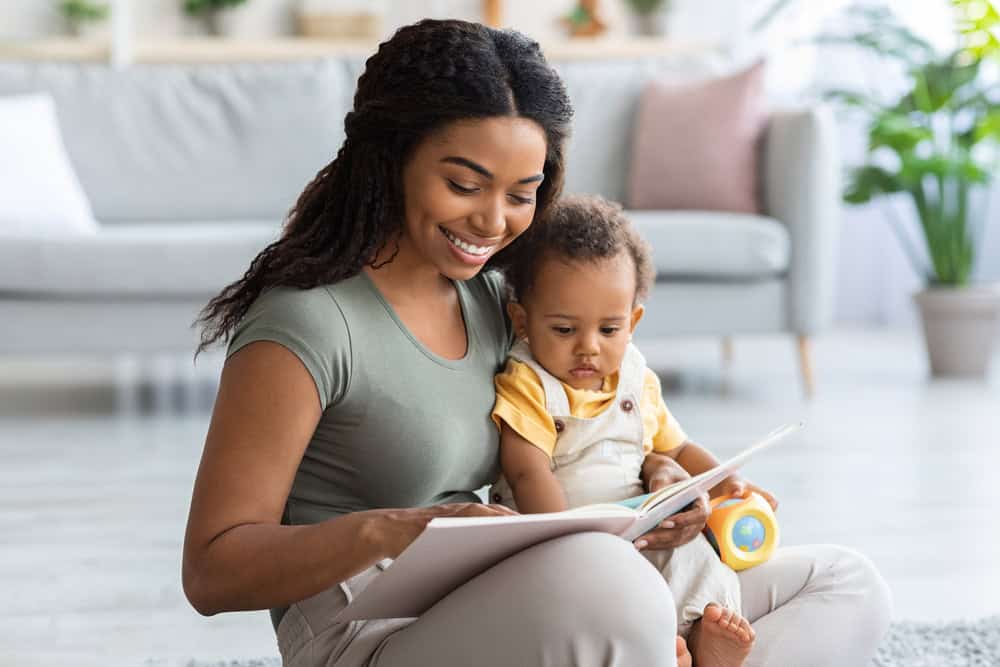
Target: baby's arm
529 474
696 459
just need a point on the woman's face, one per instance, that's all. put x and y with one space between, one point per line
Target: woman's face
470 190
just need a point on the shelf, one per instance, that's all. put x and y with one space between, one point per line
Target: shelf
217 49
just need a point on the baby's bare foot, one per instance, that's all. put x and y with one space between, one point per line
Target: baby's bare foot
683 656
721 638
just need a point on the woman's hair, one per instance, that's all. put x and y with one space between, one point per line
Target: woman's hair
579 228
428 75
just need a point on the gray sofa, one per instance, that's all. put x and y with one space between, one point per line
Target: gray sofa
191 168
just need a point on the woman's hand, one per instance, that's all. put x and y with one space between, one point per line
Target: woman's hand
658 471
736 486
678 529
395 529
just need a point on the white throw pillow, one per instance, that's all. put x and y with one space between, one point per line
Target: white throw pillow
40 194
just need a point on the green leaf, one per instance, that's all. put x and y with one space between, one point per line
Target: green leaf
867 182
987 126
937 82
897 132
851 98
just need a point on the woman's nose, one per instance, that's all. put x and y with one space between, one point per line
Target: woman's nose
489 221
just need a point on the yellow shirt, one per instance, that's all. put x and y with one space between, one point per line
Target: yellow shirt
520 403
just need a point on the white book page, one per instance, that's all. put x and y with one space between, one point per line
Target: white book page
451 551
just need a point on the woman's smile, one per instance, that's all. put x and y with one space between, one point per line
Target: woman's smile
468 249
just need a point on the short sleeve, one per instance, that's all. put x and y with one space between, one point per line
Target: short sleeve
310 324
661 431
520 402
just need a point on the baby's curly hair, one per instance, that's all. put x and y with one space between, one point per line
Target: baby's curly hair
579 228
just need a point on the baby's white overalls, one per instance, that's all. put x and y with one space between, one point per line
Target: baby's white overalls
599 459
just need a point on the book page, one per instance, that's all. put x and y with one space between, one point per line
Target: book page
689 490
453 550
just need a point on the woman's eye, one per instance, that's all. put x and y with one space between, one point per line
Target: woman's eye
460 189
521 201
563 331
609 331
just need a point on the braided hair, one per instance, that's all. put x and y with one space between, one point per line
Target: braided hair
427 76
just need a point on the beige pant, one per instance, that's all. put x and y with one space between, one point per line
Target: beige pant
591 600
696 577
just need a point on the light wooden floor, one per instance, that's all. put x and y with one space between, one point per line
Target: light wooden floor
92 505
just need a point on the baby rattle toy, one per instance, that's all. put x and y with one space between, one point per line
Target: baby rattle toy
743 531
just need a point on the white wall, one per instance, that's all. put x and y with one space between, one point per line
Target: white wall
693 19
23 19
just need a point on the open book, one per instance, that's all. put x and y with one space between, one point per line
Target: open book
452 551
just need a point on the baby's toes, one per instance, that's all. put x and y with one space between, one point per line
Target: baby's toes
746 632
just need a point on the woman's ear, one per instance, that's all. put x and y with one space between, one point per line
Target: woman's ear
518 318
637 314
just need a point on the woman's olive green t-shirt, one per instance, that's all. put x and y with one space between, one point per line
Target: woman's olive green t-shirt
401 426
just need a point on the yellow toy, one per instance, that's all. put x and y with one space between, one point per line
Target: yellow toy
743 530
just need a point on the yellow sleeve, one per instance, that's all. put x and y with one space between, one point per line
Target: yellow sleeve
520 402
661 432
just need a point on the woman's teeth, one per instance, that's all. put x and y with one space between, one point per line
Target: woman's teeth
467 247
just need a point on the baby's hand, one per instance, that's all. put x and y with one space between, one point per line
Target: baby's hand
734 485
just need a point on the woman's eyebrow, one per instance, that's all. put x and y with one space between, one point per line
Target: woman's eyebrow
480 169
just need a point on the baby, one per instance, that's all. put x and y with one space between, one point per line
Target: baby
580 414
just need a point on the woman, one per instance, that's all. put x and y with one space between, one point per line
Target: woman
362 348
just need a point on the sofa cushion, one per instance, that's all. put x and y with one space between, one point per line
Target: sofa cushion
605 96
714 245
695 145
233 141
39 190
160 260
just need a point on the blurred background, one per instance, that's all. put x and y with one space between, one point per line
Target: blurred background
816 178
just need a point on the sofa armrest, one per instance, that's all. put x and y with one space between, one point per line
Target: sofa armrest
801 188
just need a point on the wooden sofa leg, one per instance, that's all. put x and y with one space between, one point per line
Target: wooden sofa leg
806 365
727 353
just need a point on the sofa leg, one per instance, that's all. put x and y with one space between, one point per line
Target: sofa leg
727 365
806 365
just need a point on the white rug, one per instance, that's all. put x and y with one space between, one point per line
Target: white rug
958 644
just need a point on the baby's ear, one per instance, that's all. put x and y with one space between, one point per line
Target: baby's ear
637 314
518 318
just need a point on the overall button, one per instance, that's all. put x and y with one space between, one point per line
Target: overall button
560 426
627 405
497 497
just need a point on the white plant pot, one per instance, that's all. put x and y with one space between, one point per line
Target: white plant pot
960 328
249 20
654 24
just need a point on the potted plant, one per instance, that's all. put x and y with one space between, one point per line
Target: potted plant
219 15
934 144
85 18
650 17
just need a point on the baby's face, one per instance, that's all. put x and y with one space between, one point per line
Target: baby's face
579 317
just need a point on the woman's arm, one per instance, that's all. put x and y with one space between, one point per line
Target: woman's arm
237 555
529 473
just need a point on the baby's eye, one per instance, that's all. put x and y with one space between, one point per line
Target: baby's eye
609 331
563 331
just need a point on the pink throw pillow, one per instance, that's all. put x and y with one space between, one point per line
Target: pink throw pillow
695 144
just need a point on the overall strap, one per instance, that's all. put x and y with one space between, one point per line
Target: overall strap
632 375
556 401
